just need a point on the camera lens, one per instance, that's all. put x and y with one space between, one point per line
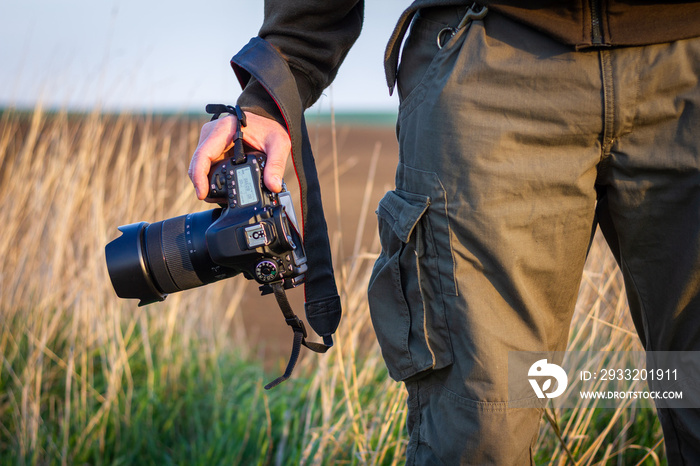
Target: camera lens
149 261
128 266
169 255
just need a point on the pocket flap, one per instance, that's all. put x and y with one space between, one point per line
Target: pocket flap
402 211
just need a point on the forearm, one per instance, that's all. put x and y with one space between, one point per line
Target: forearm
314 36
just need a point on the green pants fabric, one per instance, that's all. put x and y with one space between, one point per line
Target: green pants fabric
513 148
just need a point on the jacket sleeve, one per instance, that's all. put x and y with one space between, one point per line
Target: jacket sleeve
314 36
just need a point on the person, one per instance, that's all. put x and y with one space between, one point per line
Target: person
522 127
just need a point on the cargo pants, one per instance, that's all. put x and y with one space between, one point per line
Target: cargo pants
513 149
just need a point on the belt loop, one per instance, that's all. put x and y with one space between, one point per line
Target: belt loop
393 48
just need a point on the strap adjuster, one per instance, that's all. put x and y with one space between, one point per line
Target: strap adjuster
297 324
299 334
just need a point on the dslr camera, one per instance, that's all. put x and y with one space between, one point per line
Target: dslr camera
253 232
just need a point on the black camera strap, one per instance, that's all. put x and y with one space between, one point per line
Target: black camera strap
238 156
299 334
259 60
216 110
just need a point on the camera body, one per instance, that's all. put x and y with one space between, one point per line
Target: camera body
253 232
257 231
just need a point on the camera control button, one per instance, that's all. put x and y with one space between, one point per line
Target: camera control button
219 181
266 271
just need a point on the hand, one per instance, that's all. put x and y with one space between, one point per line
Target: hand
262 134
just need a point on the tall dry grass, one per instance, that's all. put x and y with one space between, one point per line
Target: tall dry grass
587 434
88 378
67 182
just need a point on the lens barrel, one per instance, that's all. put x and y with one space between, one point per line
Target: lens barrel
149 261
168 255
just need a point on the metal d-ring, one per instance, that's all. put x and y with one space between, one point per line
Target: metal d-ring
444 35
474 12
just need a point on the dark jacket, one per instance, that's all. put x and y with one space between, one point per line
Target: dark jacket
316 35
586 23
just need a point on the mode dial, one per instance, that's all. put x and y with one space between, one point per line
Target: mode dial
266 271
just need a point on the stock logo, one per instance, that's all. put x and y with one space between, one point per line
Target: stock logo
541 369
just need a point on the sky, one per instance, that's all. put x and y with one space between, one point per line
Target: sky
155 55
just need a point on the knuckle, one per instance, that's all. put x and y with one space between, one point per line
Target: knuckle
277 163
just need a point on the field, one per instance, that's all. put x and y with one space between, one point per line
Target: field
87 378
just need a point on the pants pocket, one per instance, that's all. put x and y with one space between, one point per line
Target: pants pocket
411 329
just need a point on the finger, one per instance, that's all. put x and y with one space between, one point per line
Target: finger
277 155
198 171
214 140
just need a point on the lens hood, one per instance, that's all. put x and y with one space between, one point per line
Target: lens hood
127 265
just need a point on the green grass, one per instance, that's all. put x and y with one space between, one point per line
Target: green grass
198 405
190 405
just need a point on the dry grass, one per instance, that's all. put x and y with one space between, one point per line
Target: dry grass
629 434
82 371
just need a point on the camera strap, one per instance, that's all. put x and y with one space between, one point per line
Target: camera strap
260 60
216 110
299 334
298 327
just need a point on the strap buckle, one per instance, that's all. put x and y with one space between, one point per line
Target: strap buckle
299 335
474 12
297 325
